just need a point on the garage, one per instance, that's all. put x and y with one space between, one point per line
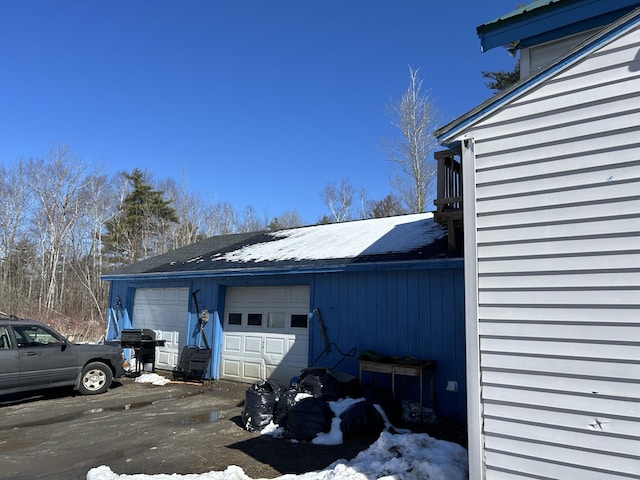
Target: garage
375 281
266 333
163 310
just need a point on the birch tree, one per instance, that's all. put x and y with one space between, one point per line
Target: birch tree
15 202
219 219
99 202
338 198
410 154
251 222
57 185
189 210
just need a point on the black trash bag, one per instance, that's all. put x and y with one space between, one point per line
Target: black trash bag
361 420
307 418
348 384
384 398
320 383
259 405
287 400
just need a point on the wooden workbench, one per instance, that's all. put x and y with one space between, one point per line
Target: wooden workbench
413 369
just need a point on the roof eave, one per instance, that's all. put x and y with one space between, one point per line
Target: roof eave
547 20
292 270
448 135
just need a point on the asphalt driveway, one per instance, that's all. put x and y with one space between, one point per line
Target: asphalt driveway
144 428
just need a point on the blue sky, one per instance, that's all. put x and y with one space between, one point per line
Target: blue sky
260 102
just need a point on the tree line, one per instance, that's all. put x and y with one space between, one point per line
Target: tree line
63 222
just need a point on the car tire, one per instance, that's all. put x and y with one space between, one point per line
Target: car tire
95 378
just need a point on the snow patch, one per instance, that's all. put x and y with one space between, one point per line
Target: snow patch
397 457
152 378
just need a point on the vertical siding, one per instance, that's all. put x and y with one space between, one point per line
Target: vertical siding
405 312
558 273
418 312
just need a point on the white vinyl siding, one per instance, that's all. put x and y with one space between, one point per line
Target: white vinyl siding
557 253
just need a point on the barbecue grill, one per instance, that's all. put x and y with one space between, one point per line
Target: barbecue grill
143 342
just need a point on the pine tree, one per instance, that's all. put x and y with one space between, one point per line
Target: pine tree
133 233
501 80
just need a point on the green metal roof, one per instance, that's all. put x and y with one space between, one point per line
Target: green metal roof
546 20
446 135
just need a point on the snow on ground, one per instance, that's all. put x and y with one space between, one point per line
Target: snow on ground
152 378
392 457
403 456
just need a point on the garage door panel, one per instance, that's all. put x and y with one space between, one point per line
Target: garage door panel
272 348
165 311
275 346
167 355
278 295
297 351
149 295
253 345
233 343
163 358
231 368
253 370
172 295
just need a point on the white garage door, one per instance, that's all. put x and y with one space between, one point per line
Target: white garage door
165 311
266 334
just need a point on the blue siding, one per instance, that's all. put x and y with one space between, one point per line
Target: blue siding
405 312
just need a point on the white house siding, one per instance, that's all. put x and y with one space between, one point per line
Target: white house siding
557 229
539 56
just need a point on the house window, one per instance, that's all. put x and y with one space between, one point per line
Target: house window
276 320
254 320
299 321
235 319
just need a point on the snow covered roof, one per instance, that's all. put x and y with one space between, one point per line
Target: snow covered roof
399 238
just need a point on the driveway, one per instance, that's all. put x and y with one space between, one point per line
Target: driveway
144 428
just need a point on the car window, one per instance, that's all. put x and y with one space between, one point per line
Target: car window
5 339
29 336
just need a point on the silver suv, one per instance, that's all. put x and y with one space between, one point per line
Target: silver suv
33 356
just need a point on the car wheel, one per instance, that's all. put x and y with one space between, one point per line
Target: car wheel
95 378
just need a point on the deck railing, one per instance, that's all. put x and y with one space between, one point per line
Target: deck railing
449 195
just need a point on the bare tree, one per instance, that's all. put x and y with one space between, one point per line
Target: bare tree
364 205
98 199
290 219
251 222
57 184
188 207
219 219
15 201
411 154
338 198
